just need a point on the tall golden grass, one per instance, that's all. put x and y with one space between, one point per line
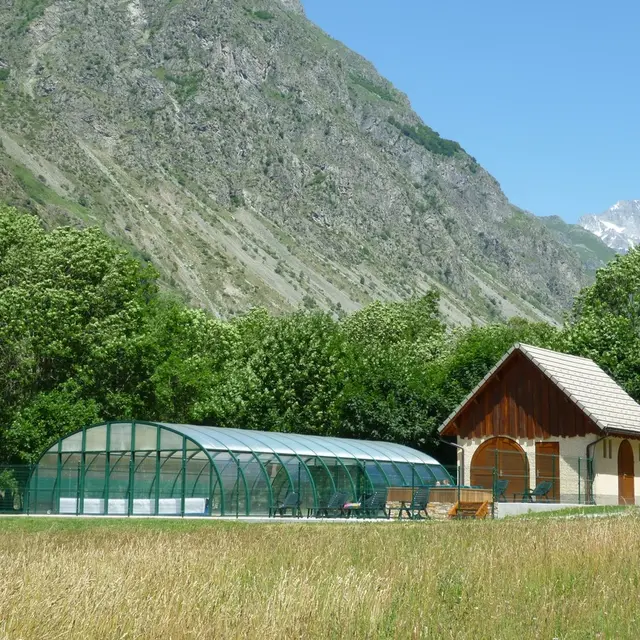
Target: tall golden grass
171 580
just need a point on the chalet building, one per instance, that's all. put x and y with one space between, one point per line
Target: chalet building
538 416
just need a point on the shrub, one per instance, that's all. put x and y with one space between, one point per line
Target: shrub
428 138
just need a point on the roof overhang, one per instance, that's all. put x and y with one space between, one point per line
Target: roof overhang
517 348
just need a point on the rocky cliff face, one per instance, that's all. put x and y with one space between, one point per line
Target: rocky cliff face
257 161
593 252
618 227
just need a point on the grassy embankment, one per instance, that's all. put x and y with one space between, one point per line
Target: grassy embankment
539 578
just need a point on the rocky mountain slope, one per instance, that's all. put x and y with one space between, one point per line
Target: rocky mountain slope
618 227
593 252
257 161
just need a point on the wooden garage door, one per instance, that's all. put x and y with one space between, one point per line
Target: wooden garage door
548 466
509 461
625 474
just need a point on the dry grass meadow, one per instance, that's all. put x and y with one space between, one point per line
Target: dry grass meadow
539 578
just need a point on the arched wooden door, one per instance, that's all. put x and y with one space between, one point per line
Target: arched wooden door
626 493
509 460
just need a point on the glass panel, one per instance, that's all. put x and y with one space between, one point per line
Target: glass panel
118 498
232 485
321 479
302 483
342 476
257 485
395 478
73 442
170 440
197 491
424 472
69 483
220 461
146 437
96 439
170 483
144 482
375 477
411 476
440 473
120 438
94 483
43 484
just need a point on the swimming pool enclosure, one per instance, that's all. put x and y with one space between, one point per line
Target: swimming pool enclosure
146 468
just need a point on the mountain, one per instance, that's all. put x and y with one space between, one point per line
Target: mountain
257 161
593 252
618 226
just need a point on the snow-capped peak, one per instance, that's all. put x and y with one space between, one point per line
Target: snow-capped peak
618 227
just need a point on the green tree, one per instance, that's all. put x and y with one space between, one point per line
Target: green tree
390 347
67 298
604 323
288 373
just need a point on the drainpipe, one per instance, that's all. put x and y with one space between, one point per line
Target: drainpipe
460 478
590 474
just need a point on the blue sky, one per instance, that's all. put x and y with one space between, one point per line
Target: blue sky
545 94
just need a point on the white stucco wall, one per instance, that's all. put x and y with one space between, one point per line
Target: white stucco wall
573 465
605 485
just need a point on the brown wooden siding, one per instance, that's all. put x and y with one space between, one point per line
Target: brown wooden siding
548 467
521 402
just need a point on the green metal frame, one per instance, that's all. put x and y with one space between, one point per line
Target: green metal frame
263 470
324 466
114 461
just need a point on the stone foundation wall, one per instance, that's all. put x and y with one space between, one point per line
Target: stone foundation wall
439 510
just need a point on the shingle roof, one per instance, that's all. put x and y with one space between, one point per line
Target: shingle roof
583 381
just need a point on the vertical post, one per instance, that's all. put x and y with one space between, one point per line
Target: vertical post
157 493
495 483
183 484
78 489
579 480
364 477
107 470
132 469
83 466
496 472
35 490
210 491
237 487
57 491
413 491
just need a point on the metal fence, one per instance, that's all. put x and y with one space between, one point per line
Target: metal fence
512 476
515 476
171 487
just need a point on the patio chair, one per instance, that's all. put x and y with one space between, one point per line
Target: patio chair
335 504
418 503
541 491
500 490
374 504
291 501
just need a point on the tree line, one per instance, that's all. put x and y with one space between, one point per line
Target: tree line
86 336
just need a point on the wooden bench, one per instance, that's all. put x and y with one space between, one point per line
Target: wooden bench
476 510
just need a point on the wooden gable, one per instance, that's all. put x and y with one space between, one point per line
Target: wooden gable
520 401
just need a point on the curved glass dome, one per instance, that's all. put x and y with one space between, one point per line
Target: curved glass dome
148 468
